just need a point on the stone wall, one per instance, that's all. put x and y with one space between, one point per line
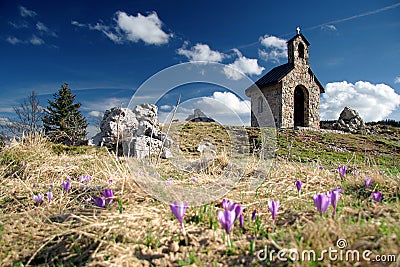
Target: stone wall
300 76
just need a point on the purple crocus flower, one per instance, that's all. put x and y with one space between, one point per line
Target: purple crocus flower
298 185
253 215
342 171
356 172
368 182
179 209
320 167
38 199
194 180
108 194
381 172
22 164
66 185
232 206
110 181
100 202
230 165
321 201
273 208
226 219
275 167
85 179
49 194
169 181
377 196
241 220
334 198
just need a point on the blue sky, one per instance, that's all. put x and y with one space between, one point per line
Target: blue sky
106 49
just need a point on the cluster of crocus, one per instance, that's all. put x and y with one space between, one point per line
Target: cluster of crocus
322 201
105 200
342 171
38 199
85 179
228 216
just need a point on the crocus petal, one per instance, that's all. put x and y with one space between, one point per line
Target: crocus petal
298 185
322 202
178 209
253 215
377 196
100 202
226 218
273 208
368 182
241 220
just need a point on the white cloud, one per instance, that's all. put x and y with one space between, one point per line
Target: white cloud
43 28
373 101
397 79
36 40
78 24
107 32
145 28
275 48
201 52
13 40
95 113
19 25
242 65
231 101
26 12
328 27
166 107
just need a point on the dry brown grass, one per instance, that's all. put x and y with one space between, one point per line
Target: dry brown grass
70 232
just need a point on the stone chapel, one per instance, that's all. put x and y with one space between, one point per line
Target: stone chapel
291 90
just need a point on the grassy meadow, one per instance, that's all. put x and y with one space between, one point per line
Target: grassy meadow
138 230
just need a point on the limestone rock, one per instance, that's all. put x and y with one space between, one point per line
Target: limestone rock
349 121
137 131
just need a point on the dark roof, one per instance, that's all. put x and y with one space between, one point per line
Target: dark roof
274 75
302 37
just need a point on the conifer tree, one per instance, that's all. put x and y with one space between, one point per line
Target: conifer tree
63 122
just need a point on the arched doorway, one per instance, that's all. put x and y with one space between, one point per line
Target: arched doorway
300 98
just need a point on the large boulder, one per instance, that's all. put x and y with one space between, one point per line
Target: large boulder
137 131
349 121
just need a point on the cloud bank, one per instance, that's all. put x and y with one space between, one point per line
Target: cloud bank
374 102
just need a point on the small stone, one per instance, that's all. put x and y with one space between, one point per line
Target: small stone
174 247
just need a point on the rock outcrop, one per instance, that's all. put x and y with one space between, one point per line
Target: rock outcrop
349 121
136 131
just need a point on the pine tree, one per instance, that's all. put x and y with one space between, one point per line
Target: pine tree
63 122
